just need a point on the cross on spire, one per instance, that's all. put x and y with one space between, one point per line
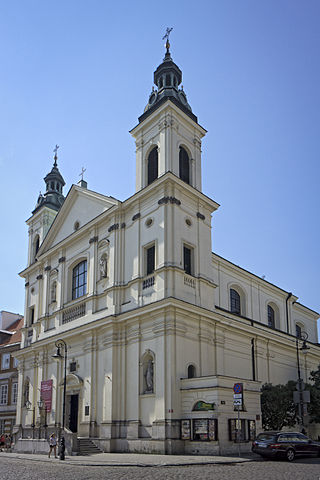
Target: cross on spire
166 36
82 172
55 151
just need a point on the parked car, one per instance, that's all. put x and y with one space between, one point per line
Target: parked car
285 444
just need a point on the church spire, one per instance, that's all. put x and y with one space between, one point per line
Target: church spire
53 197
167 79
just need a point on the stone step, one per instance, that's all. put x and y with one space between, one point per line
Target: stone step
87 447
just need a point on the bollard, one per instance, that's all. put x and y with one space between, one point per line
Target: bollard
62 448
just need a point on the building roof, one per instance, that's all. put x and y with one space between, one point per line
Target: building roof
14 333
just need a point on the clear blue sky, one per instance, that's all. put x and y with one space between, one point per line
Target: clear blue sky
79 73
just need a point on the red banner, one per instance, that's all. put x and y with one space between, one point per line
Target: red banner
46 393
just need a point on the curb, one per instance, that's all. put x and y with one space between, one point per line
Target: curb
126 464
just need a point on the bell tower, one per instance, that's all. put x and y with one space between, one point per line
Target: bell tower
168 136
47 207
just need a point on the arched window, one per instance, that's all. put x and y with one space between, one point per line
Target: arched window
153 165
53 293
235 303
191 371
271 317
79 280
36 245
184 165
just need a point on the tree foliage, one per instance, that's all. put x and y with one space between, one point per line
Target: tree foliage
278 409
314 407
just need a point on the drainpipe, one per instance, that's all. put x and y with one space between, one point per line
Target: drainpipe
287 313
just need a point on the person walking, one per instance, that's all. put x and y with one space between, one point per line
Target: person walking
2 442
8 442
53 445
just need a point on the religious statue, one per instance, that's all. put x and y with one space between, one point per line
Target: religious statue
103 266
149 377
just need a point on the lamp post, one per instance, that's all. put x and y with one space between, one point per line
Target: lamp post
61 344
304 349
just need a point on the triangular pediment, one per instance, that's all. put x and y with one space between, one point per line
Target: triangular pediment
79 208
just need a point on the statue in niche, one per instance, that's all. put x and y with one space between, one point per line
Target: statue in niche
103 266
149 376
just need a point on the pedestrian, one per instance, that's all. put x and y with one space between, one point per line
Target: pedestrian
8 442
53 445
2 442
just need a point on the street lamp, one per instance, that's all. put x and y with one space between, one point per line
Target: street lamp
61 344
304 349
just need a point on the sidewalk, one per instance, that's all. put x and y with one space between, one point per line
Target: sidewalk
132 459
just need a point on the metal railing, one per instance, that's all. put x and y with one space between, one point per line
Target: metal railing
73 313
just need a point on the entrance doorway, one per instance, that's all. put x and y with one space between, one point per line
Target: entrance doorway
73 415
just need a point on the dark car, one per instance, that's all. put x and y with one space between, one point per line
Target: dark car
285 444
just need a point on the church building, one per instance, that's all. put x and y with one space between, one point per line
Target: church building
164 345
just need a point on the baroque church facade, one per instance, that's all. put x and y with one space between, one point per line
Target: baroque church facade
158 328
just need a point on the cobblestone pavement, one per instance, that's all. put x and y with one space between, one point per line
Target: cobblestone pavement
302 469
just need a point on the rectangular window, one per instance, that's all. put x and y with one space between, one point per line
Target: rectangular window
241 430
14 393
203 430
15 363
188 260
252 430
200 429
150 260
3 394
31 316
5 361
73 367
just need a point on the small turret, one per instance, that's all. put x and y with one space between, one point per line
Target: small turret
53 197
167 78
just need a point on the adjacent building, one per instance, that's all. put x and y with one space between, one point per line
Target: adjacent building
10 339
159 330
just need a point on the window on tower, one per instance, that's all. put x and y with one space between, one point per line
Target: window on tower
150 260
184 165
153 165
188 260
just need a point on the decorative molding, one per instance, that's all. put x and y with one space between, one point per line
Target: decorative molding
172 200
136 216
199 215
93 240
115 226
62 259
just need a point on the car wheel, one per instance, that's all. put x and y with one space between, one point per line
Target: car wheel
290 454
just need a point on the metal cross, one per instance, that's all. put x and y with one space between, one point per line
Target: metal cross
56 149
82 172
167 34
